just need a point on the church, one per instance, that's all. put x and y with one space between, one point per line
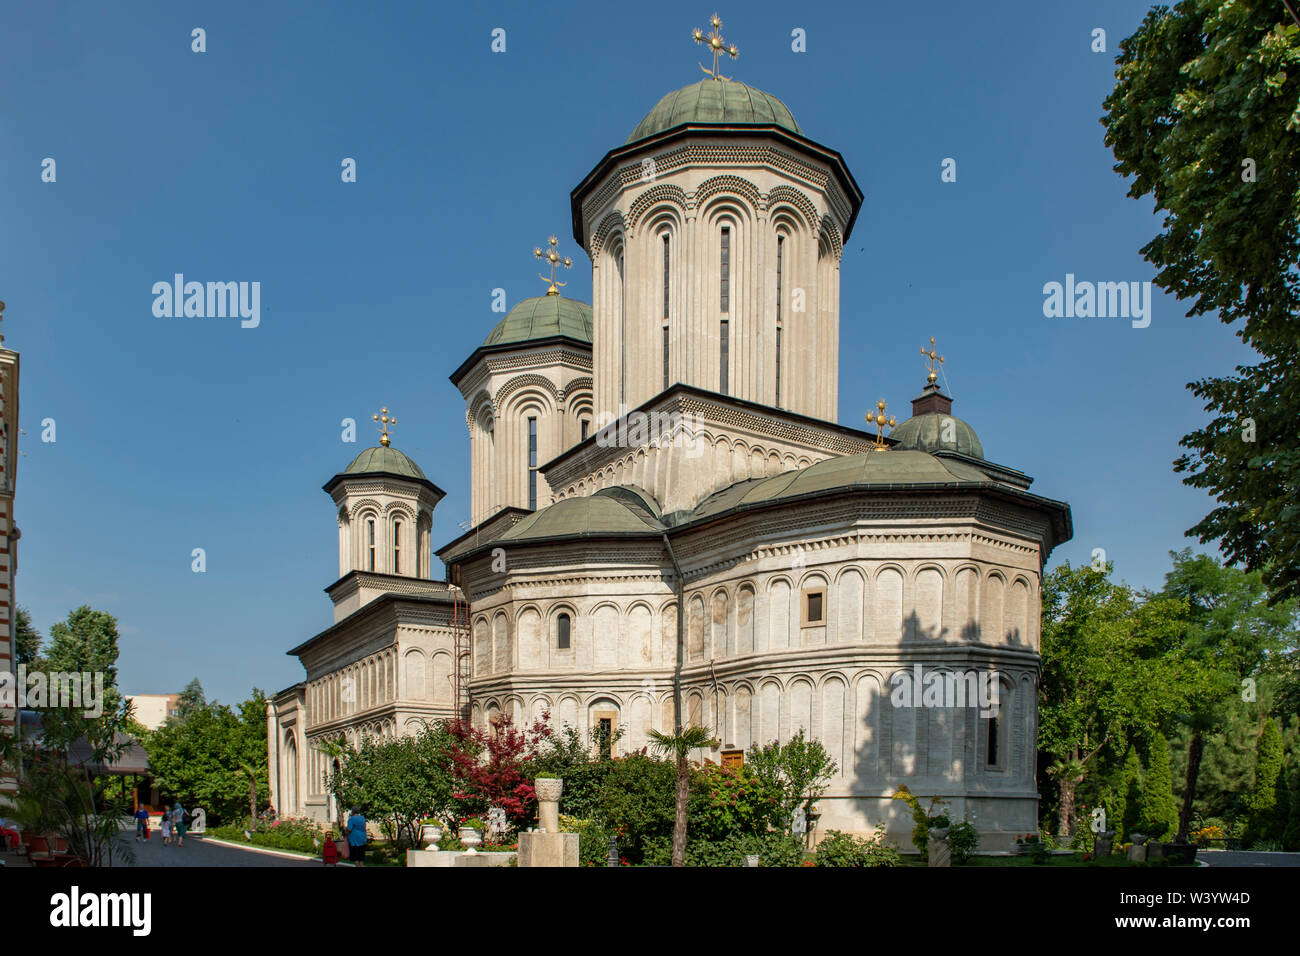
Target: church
795 569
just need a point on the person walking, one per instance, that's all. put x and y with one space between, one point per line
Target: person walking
141 824
357 837
178 823
166 828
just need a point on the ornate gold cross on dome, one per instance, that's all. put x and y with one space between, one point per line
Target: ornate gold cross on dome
715 43
932 356
554 258
880 420
383 417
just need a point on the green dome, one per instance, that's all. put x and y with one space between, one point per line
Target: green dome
933 432
386 460
542 317
715 101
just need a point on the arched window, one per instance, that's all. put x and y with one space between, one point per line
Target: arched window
562 624
397 546
370 544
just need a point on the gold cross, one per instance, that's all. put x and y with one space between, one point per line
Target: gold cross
715 43
383 417
932 356
554 258
880 420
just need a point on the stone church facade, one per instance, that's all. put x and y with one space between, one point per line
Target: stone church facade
809 568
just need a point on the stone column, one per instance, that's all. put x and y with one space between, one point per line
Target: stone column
937 849
549 790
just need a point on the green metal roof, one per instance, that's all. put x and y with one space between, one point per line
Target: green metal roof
621 510
386 460
934 431
889 467
542 317
715 101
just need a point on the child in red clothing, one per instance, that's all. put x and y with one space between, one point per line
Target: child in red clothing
330 852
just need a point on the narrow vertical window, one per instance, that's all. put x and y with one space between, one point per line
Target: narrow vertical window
665 356
605 738
622 334
562 632
726 270
370 544
724 333
532 464
666 274
585 425
397 547
778 366
780 256
991 751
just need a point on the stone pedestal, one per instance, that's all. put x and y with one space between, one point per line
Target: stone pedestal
1155 851
938 850
548 849
1104 845
1137 853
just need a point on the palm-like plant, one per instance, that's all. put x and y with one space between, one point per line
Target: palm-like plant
680 746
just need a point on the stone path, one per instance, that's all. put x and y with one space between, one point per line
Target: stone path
198 852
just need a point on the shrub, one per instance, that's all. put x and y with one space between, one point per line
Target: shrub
593 840
726 802
298 835
637 800
844 849
922 819
772 849
963 841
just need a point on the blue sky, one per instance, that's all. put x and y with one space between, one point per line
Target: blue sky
175 433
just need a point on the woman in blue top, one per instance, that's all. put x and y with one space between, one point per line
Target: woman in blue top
357 837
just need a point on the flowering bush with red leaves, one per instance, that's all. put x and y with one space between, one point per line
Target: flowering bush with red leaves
492 765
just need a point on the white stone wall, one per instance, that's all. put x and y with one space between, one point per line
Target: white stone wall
953 596
504 390
761 192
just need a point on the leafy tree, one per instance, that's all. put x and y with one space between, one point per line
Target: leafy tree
1159 811
1132 783
798 771
85 642
205 760
1112 665
27 637
399 782
1262 798
1232 629
191 700
1204 116
495 765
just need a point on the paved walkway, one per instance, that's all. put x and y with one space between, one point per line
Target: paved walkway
198 852
1247 858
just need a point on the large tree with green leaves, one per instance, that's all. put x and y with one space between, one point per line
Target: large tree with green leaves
1232 630
1204 117
205 760
1112 670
